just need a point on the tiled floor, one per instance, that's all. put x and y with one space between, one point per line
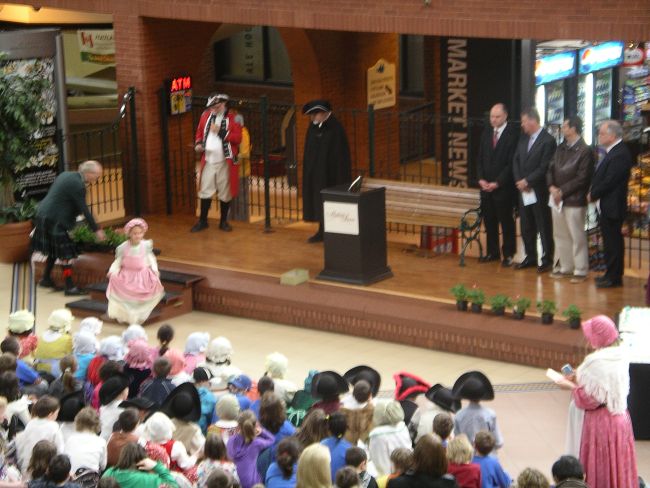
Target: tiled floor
532 422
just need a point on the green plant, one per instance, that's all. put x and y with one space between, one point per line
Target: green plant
546 306
521 304
572 312
476 295
82 234
114 238
18 212
22 107
460 292
500 301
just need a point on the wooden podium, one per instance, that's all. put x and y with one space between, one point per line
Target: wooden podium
355 236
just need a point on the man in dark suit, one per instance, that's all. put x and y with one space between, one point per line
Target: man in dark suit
498 144
609 190
534 152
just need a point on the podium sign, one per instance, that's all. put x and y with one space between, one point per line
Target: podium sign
355 236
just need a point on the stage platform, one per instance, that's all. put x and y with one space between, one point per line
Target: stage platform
241 273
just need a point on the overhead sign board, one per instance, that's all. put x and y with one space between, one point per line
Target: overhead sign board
601 56
555 67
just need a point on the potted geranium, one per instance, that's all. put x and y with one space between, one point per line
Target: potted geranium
547 308
460 294
477 298
499 302
573 313
519 307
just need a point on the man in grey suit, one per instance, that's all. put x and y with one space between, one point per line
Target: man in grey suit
534 152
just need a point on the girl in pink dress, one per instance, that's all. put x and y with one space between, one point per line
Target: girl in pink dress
134 287
598 417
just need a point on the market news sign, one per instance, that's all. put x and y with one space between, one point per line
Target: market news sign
97 46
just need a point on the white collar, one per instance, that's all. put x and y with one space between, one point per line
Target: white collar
609 148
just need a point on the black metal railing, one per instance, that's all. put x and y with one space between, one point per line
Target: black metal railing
117 193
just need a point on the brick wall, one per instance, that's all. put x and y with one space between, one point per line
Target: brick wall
507 19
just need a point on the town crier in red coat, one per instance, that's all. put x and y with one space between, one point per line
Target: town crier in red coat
217 140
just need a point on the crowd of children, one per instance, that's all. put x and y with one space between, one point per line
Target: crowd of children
118 412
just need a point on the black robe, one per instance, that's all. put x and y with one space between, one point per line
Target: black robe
326 163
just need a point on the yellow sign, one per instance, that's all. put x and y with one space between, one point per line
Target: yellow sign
381 85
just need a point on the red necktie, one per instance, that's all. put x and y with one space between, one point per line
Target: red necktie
495 138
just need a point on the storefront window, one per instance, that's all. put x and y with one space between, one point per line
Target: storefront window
412 65
254 54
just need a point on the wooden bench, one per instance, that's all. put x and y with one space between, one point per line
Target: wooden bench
433 206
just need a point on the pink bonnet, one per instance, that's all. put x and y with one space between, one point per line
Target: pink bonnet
600 331
135 222
139 355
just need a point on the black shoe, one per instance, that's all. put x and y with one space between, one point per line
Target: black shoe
526 263
317 237
598 279
199 226
609 284
74 292
47 283
488 258
544 267
507 262
225 226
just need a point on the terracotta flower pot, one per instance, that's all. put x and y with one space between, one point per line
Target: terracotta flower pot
15 242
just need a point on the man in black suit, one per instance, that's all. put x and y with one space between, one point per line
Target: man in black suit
609 190
534 152
498 144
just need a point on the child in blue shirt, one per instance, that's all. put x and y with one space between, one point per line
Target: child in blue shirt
336 443
239 386
29 380
202 377
492 474
84 348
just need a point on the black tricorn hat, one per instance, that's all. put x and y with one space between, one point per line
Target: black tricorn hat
112 387
443 397
71 405
139 403
314 106
183 403
367 373
474 386
328 384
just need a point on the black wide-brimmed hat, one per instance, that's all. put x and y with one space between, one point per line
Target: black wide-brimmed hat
406 384
183 403
71 405
367 373
443 397
474 386
328 384
112 387
315 106
139 403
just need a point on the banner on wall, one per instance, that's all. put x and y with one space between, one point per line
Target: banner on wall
476 74
34 54
97 46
